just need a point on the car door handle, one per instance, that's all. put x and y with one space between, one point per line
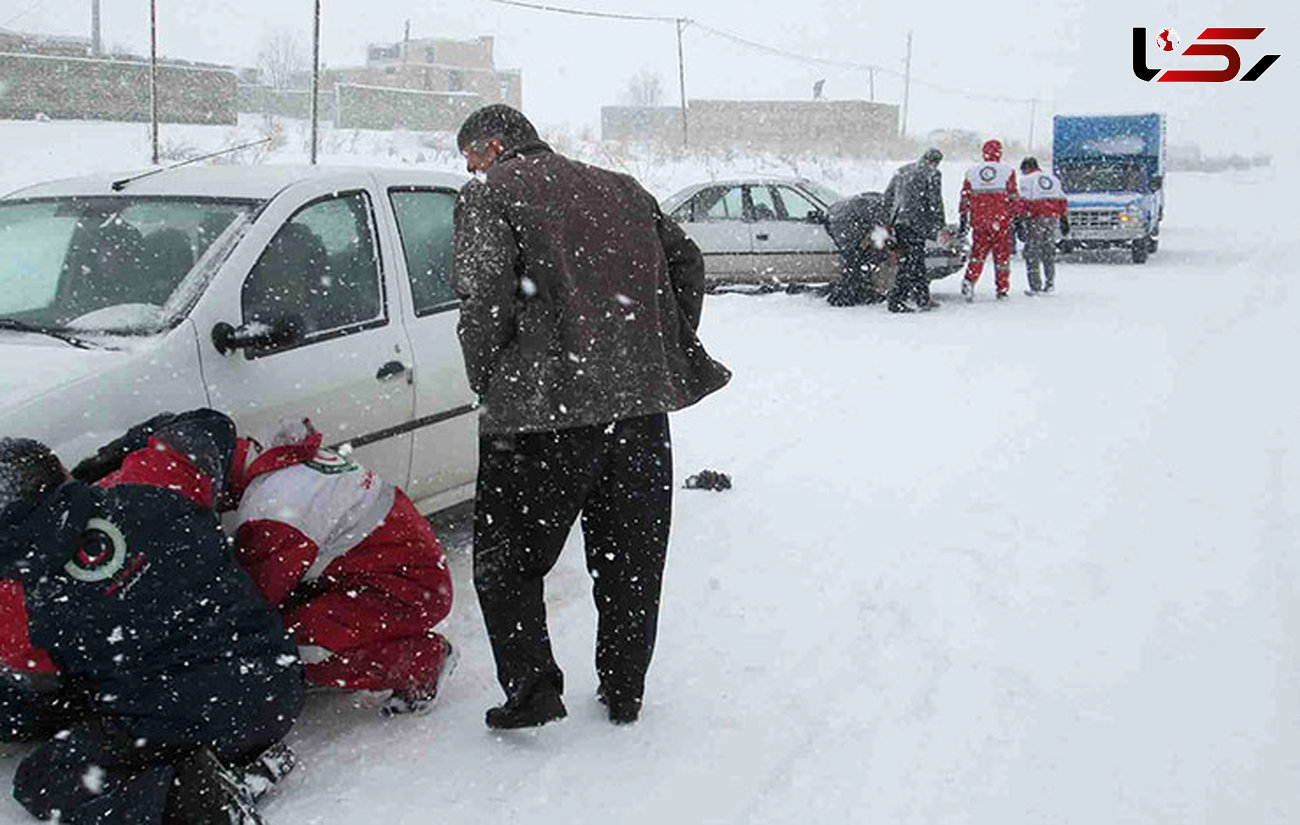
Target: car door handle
762 236
391 370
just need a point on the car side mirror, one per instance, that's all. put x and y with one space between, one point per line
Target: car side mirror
815 216
1157 182
279 332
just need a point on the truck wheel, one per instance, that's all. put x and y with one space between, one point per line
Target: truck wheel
1140 251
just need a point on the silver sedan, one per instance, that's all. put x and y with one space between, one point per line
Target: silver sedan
766 229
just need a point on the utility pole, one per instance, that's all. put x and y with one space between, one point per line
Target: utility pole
153 75
681 80
907 83
315 83
871 82
1033 113
96 42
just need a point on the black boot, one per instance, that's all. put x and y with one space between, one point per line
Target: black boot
266 771
622 710
205 791
535 708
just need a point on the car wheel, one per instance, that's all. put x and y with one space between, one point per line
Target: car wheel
1140 251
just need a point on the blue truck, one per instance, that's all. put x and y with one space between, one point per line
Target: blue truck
1112 168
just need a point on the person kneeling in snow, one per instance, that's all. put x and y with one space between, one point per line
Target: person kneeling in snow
166 671
353 566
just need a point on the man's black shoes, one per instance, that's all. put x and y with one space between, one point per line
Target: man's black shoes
621 711
535 709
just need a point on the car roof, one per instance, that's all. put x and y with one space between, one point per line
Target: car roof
234 182
677 198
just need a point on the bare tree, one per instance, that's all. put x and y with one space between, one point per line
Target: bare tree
282 60
645 88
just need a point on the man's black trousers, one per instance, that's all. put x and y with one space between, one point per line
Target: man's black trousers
913 280
531 488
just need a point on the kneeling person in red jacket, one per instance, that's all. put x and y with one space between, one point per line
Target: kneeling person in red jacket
355 569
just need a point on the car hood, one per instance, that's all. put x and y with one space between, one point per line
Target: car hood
29 370
1103 200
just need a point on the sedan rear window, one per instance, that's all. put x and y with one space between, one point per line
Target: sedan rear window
103 263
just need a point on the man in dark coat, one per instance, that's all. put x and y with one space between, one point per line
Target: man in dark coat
173 671
580 302
859 227
914 202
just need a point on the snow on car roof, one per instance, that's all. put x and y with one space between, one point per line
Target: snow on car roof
240 182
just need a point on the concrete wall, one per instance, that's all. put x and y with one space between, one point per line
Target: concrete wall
641 124
292 103
86 89
491 86
378 107
849 127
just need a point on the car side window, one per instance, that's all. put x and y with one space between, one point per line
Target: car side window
764 205
720 203
321 270
795 206
425 220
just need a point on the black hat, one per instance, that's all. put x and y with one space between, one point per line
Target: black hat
510 125
28 470
932 155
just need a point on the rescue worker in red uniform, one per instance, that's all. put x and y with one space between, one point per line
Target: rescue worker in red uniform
1042 213
988 206
355 569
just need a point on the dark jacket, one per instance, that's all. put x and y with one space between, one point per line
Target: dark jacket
580 300
851 220
914 199
135 594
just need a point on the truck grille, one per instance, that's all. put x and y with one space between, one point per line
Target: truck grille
1094 219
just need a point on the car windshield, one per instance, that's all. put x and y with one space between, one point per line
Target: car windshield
821 192
1103 177
103 264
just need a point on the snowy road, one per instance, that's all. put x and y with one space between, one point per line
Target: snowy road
1016 563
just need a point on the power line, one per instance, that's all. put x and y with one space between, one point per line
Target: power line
789 55
763 47
23 13
584 13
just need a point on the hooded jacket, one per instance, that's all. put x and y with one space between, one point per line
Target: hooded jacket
132 590
580 300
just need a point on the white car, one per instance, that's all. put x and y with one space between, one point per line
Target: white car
265 292
771 229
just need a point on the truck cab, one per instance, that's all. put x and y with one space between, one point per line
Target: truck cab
1112 169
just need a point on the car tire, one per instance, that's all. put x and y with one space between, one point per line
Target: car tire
1141 248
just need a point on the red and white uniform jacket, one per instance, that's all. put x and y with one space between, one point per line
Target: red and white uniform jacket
988 196
311 516
1041 196
302 507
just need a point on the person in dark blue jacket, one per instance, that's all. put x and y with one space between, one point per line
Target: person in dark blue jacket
172 670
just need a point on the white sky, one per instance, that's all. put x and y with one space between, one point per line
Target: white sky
1075 56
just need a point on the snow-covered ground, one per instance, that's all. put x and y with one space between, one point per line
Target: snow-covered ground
1002 563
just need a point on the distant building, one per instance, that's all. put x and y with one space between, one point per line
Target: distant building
50 45
844 127
437 65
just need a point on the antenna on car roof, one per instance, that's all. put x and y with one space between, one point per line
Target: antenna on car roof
119 185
